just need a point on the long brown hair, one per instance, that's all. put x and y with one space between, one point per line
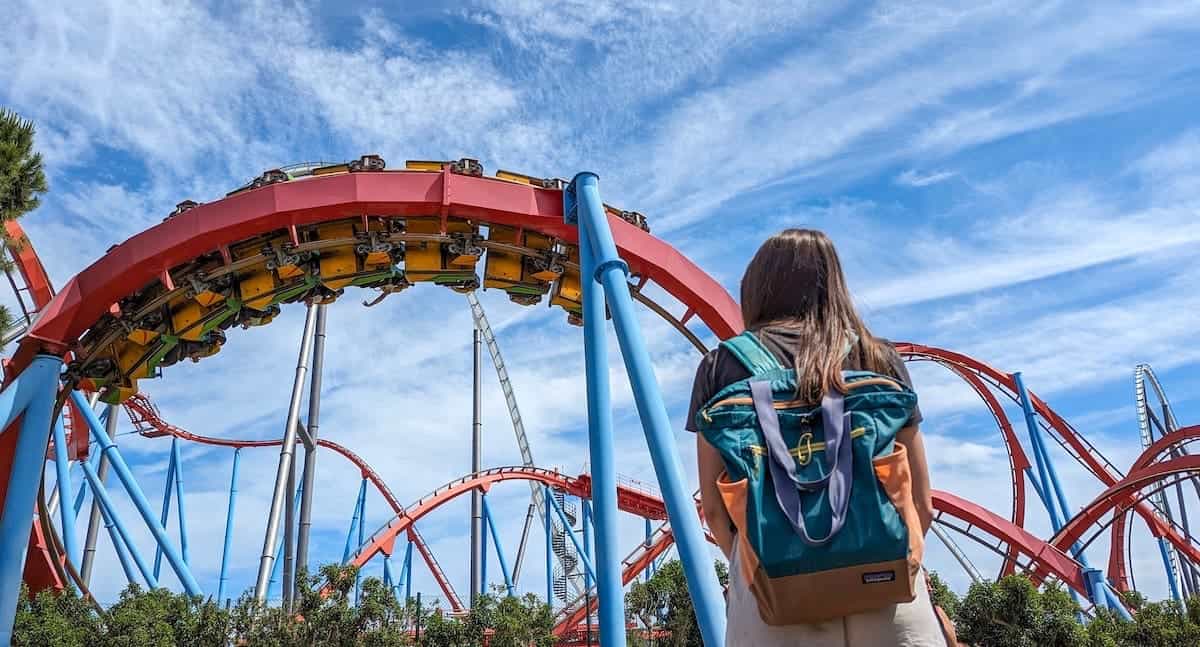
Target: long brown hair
795 280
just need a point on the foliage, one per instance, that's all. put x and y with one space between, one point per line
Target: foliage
663 603
21 175
1013 613
1155 624
48 619
942 596
323 614
1010 613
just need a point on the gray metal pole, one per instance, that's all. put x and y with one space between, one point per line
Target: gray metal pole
286 450
310 454
94 520
516 573
287 586
476 465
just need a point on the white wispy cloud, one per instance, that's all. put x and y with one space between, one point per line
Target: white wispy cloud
915 178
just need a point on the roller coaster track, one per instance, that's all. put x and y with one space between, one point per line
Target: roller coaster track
205 254
1076 446
146 420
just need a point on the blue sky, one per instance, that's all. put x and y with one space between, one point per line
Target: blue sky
1017 181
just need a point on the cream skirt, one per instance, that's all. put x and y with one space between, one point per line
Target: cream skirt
899 625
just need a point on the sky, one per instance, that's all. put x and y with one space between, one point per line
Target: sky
1017 181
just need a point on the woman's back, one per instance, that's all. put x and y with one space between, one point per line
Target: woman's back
795 301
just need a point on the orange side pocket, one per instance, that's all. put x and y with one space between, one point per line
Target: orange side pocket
892 472
733 495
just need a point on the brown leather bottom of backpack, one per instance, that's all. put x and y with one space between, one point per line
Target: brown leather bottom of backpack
816 597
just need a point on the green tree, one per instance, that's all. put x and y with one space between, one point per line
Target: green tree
161 618
942 596
21 175
55 620
663 603
21 180
1013 613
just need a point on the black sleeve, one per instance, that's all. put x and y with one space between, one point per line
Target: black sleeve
900 372
702 388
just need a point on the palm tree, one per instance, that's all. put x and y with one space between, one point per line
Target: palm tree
21 180
21 176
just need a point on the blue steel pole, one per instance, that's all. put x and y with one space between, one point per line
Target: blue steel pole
362 525
549 554
183 535
408 572
62 465
224 578
110 513
1049 479
33 392
117 543
1049 476
137 496
611 609
613 274
499 550
1162 547
347 551
166 505
649 532
483 551
587 537
562 517
83 486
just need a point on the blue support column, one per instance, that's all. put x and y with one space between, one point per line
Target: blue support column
111 516
549 553
224 577
600 444
358 505
117 544
183 535
137 496
1056 503
587 538
491 524
1170 569
362 525
83 486
607 268
649 532
66 516
483 549
168 482
31 393
408 572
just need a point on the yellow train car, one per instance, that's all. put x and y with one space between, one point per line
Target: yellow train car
450 263
525 279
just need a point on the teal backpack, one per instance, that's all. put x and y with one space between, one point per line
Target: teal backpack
821 495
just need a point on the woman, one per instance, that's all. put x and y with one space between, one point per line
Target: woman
794 299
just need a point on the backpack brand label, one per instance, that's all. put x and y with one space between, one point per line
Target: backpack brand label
879 577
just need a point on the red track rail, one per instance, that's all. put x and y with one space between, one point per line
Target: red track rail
1118 569
1084 452
145 417
1118 494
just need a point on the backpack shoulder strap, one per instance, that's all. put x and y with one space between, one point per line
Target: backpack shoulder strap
751 353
